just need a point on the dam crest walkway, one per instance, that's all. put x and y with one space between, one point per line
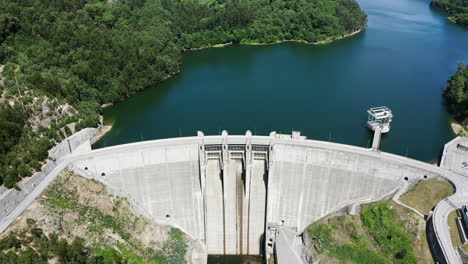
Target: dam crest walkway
289 166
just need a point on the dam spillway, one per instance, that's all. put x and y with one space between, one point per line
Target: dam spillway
227 191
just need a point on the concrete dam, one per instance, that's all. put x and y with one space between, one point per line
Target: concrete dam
231 192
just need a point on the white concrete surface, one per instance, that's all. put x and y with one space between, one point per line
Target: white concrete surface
214 209
309 183
230 208
164 180
257 207
288 247
307 180
455 155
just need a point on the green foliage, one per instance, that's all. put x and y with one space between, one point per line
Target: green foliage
457 8
387 230
12 121
11 126
23 170
176 248
62 199
382 238
39 149
358 254
9 25
40 248
456 94
101 52
68 131
93 52
11 241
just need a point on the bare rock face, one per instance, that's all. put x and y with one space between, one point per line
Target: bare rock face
45 110
2 80
309 249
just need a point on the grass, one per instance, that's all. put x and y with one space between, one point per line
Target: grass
386 228
61 198
384 233
356 250
426 194
175 248
454 234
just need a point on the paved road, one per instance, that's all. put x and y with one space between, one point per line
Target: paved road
32 196
440 215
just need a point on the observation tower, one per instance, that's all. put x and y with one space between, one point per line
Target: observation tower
379 118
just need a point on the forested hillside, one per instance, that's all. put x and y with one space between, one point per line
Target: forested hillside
456 94
457 8
90 52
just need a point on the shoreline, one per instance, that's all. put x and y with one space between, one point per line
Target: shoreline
106 129
322 42
100 134
458 129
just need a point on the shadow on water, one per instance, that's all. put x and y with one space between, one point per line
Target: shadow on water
144 101
204 57
234 259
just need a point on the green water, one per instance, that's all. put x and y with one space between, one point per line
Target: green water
402 61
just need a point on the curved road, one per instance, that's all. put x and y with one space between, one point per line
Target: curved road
440 214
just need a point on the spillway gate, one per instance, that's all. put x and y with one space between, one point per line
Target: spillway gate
234 184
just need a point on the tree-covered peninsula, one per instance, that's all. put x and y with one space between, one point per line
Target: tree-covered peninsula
456 94
458 9
61 60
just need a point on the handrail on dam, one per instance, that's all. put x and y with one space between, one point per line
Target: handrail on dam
249 178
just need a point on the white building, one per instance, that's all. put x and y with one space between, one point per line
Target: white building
379 117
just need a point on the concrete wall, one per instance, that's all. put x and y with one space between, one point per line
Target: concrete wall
163 180
308 183
73 144
221 190
454 154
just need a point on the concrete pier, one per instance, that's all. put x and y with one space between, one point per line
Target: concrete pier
376 140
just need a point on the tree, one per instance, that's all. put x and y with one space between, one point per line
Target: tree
9 25
456 93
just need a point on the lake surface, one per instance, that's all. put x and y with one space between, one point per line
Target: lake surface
402 60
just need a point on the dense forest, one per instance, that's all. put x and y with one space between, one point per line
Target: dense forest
456 94
39 248
457 8
91 52
36 247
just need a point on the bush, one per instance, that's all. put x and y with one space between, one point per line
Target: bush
68 131
456 93
39 149
24 171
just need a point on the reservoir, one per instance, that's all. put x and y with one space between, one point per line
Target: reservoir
402 60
